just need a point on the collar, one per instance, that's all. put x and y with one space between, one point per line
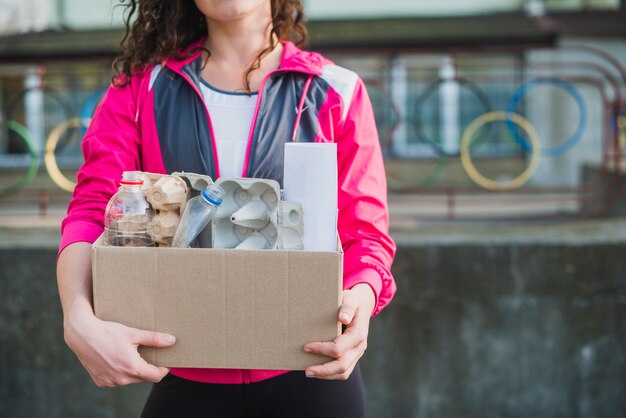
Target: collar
293 58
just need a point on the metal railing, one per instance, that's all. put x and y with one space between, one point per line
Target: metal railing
466 135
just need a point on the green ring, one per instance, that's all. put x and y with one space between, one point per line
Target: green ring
23 132
441 162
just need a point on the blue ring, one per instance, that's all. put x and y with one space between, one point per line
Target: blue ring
89 106
582 107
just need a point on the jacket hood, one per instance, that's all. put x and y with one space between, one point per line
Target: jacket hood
293 58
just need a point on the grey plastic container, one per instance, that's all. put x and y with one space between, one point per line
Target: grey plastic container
252 216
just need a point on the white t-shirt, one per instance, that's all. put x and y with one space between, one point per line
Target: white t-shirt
231 118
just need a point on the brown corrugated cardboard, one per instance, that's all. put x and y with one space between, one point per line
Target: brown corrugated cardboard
251 309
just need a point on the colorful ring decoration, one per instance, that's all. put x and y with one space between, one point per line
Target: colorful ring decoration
33 168
440 163
580 101
60 99
386 114
90 105
425 95
49 157
475 175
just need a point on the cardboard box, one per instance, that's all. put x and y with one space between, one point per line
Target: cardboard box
251 309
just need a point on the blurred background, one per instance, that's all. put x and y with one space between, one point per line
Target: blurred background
503 124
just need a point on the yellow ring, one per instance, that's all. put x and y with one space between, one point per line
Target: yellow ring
49 158
471 170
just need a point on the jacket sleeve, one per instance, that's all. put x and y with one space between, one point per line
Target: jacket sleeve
110 146
363 220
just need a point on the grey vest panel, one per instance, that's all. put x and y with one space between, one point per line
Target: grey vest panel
183 126
276 120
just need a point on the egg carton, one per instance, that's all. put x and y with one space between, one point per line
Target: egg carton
252 216
196 182
168 196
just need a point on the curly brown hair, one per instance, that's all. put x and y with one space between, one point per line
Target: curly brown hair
157 30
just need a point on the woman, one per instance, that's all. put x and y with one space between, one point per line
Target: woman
215 87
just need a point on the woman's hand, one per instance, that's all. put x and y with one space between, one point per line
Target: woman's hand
346 349
108 350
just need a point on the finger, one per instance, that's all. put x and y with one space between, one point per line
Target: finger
337 347
152 338
339 376
116 379
348 308
144 372
338 369
151 373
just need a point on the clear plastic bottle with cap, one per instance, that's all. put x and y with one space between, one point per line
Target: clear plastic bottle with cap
128 214
198 213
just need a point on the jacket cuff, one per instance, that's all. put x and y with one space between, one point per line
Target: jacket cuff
368 276
79 231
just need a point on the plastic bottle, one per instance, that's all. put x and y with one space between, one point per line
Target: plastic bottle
198 213
128 214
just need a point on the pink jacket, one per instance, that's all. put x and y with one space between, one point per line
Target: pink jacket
159 123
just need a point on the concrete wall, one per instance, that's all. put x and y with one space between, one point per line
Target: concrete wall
40 376
498 327
502 331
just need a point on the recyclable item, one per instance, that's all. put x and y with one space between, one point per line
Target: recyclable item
228 308
254 217
310 178
197 182
197 214
168 193
148 180
219 302
255 241
291 226
163 226
128 214
248 207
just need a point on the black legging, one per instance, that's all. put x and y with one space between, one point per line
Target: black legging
291 395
